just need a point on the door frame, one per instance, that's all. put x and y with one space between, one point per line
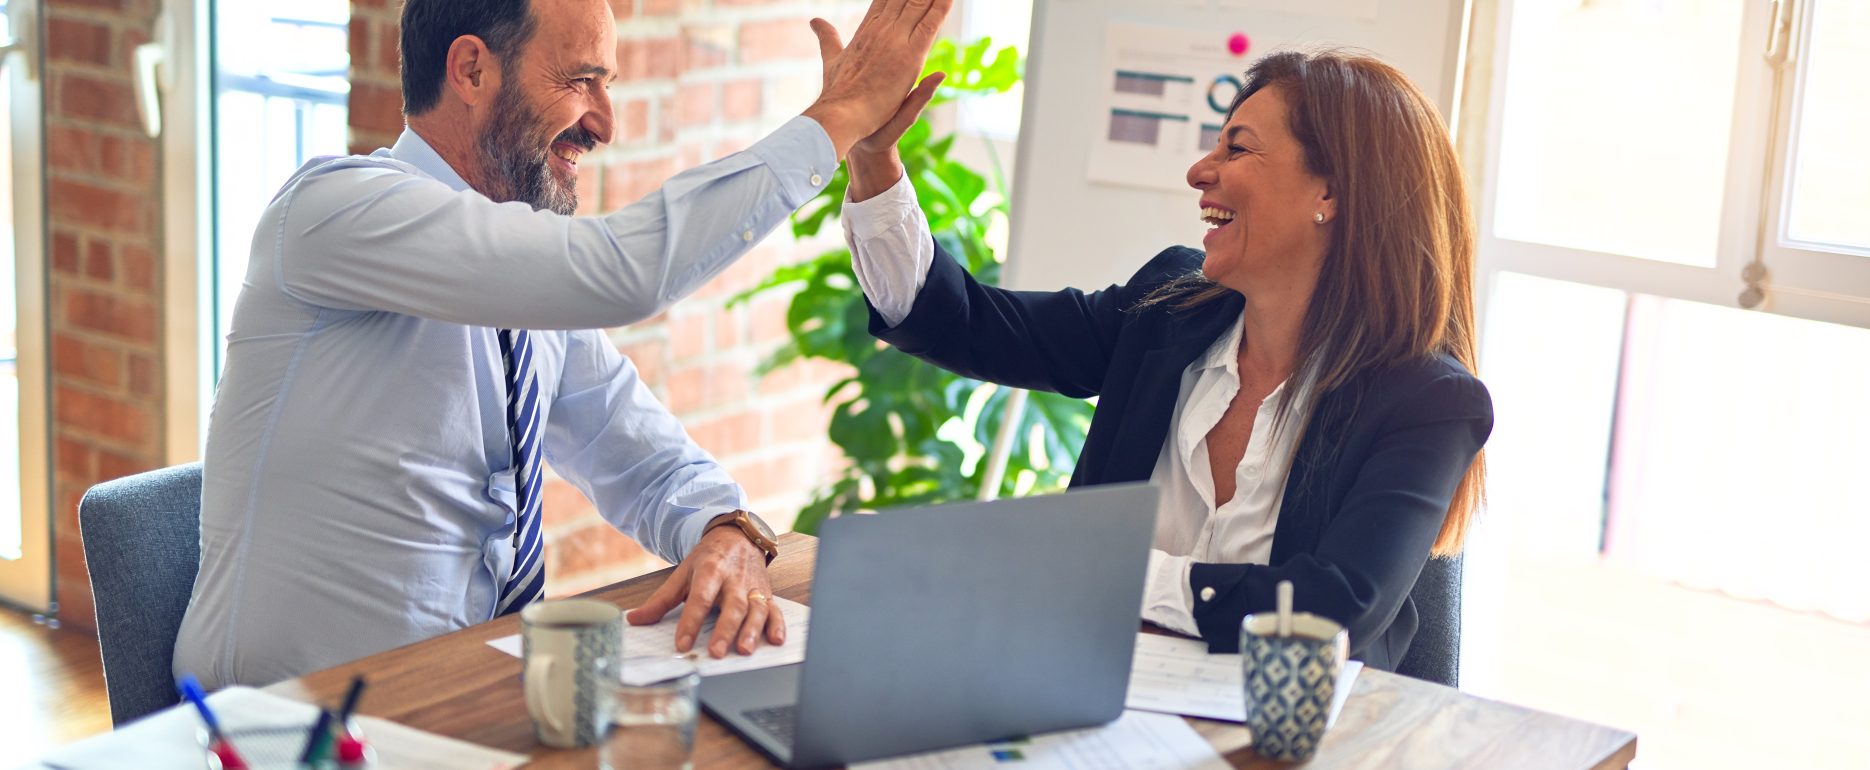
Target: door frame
28 582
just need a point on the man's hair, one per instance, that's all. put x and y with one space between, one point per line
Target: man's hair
429 27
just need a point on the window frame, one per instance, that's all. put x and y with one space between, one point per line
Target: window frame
28 582
1800 283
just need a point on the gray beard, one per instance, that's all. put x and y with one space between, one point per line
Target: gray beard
515 170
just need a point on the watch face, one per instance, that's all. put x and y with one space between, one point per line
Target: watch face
765 531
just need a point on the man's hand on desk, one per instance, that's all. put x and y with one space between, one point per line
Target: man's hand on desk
726 569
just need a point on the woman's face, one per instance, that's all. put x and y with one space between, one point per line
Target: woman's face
1259 199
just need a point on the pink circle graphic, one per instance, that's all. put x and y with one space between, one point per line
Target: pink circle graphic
1238 44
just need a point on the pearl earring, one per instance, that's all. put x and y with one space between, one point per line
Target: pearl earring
1319 217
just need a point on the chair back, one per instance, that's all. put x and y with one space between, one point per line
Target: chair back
142 541
1435 653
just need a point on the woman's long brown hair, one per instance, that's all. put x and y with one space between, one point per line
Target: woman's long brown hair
1397 281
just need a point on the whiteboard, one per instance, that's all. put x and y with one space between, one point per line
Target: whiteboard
1072 224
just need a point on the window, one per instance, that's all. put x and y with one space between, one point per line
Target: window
281 81
25 521
1672 477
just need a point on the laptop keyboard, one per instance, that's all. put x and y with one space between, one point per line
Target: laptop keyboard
777 721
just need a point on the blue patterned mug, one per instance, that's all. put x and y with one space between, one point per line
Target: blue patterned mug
1290 681
572 650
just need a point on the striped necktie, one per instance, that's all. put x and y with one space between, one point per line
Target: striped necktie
522 419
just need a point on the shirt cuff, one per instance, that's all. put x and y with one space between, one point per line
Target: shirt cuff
1166 598
695 525
801 156
888 210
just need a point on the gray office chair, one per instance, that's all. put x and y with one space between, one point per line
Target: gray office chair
142 541
1435 653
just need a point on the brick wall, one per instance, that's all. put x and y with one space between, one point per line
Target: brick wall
101 200
698 79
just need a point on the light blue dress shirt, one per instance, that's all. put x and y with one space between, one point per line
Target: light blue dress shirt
358 489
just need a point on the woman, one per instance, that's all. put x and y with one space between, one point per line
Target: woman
1304 393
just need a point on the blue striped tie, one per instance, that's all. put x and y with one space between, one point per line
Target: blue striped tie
522 419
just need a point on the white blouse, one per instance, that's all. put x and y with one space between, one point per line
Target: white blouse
892 252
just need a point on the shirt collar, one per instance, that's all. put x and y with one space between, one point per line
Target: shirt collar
412 149
1225 352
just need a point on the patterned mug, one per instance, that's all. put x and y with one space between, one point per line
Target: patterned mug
1290 681
572 649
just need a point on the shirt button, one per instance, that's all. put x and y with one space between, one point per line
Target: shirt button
747 236
817 180
1207 594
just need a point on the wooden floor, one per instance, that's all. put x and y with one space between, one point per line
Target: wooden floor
51 688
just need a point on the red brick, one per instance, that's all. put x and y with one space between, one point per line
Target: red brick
705 47
77 41
103 208
728 436
703 386
79 360
727 323
688 336
102 416
137 266
632 116
114 465
143 374
622 9
590 549
376 107
99 262
128 161
70 148
627 183
389 48
768 319
131 319
590 184
777 40
648 358
75 457
801 418
665 57
659 7
741 99
696 104
565 506
107 101
66 258
776 476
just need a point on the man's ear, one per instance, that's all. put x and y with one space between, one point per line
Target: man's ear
473 72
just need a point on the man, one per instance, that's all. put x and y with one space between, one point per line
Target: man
405 354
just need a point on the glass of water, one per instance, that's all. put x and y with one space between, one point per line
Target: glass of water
653 709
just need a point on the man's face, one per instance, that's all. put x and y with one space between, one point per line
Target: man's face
553 106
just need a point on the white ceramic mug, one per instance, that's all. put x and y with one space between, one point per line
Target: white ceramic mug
572 648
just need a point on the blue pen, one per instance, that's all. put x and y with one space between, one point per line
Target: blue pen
191 689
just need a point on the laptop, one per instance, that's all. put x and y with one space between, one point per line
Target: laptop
955 624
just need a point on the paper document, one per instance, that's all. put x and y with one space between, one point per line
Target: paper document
1138 740
1179 676
170 739
659 639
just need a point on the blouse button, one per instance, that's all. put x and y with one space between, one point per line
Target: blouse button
817 180
1207 594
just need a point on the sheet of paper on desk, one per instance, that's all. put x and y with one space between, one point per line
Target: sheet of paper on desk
1179 676
169 739
1138 740
659 639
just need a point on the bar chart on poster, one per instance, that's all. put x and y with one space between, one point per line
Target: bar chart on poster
1123 95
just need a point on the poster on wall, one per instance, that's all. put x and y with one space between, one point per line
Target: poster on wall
1165 95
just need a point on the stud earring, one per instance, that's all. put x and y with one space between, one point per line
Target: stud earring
1319 217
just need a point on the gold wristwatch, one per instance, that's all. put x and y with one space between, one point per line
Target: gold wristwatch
751 526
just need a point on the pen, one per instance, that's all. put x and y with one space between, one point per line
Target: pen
350 749
350 699
191 689
315 738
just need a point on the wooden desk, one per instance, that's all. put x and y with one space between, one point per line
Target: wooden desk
458 686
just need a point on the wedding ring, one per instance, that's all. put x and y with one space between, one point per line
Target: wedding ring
755 597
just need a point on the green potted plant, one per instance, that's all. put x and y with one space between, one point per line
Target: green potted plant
914 434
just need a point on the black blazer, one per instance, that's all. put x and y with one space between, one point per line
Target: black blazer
1369 487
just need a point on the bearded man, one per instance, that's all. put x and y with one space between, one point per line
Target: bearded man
416 336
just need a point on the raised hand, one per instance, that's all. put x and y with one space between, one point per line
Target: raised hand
868 80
